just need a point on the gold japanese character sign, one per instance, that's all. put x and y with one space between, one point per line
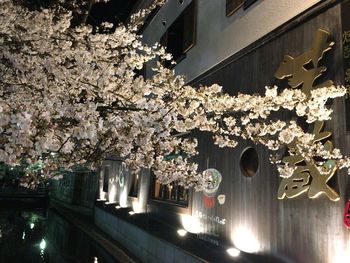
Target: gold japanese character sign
346 57
301 72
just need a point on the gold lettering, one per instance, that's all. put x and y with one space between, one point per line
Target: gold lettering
301 72
346 36
295 185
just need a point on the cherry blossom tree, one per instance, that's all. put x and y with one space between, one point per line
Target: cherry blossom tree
72 97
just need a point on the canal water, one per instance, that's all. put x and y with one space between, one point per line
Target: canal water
43 236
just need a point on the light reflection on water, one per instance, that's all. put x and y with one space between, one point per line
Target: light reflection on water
44 236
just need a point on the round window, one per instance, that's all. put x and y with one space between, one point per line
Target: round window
249 162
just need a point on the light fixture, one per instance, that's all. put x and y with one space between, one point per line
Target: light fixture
181 232
245 240
233 252
32 225
42 244
191 224
118 207
131 213
24 235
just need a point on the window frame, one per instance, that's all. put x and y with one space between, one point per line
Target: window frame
130 195
105 181
184 49
167 204
234 10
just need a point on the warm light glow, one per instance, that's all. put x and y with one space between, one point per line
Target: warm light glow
112 194
123 198
191 224
244 240
42 244
110 203
32 225
341 252
131 213
136 206
233 252
182 232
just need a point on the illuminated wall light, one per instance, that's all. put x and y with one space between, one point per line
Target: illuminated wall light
233 252
137 206
191 224
110 203
123 198
42 244
32 225
118 207
132 213
112 194
244 240
95 260
102 195
182 232
341 252
24 235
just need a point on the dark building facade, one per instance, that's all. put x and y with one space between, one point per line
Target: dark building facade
242 45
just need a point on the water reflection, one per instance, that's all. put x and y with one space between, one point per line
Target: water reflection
44 236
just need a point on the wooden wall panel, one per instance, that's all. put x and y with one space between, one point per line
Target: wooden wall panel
301 229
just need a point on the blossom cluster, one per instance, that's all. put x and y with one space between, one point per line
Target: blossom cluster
69 97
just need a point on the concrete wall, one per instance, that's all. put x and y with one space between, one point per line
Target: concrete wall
143 245
63 189
76 188
218 36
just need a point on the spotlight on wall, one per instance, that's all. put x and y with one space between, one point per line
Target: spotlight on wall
181 232
244 239
191 224
132 213
233 252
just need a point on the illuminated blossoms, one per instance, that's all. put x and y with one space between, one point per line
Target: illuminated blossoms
76 95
